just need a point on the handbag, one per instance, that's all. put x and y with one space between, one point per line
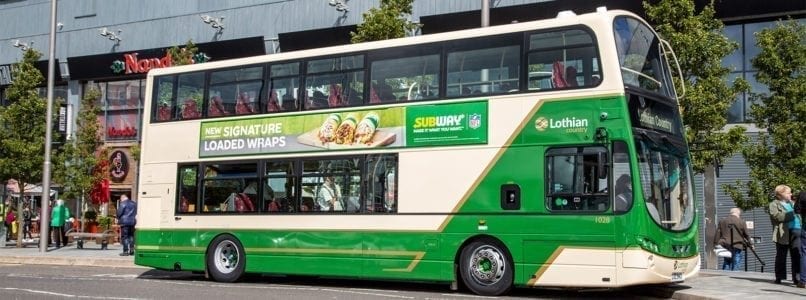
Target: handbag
722 252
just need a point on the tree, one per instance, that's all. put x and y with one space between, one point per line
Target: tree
779 156
700 46
387 22
185 55
22 128
80 154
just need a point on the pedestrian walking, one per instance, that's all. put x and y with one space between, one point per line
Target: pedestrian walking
127 218
27 215
782 216
58 216
732 234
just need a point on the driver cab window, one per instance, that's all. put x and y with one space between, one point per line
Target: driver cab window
577 179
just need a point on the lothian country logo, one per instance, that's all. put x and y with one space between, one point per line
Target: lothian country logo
541 124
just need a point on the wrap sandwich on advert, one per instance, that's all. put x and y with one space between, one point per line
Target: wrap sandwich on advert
327 133
366 128
345 134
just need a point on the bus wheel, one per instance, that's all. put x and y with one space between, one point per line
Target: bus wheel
225 259
485 268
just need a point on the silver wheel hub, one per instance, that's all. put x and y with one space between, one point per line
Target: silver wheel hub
226 257
487 265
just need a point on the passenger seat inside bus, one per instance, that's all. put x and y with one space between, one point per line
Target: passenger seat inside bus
216 107
289 103
571 76
558 76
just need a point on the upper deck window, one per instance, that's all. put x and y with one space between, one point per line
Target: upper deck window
235 92
412 74
285 83
490 65
563 59
335 82
640 56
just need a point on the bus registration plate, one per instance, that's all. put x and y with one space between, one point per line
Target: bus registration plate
677 276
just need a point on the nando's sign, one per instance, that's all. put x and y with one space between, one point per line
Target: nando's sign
136 63
132 63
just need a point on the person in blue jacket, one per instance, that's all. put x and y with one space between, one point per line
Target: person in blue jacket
127 218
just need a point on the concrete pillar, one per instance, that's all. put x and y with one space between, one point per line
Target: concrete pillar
709 216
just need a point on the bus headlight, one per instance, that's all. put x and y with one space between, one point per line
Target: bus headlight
647 244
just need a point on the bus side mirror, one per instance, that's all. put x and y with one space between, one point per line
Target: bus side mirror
603 165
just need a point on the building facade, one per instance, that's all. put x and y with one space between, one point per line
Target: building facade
112 44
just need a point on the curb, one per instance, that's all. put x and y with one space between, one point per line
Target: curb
69 261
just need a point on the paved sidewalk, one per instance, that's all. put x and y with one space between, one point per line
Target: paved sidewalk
717 284
90 255
710 284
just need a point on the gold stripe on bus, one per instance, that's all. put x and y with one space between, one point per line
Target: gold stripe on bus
550 261
515 133
414 262
168 248
545 266
417 255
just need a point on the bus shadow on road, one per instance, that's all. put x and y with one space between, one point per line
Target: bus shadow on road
327 283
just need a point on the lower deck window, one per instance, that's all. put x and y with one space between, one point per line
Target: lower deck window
351 184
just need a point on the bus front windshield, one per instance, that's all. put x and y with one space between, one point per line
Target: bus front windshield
666 181
641 58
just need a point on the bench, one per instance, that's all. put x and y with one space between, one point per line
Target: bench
80 236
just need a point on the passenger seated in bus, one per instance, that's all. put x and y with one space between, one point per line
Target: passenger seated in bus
190 110
328 196
216 107
272 105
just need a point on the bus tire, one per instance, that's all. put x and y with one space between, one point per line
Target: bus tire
486 268
225 259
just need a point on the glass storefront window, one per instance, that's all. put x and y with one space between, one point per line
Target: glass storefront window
121 106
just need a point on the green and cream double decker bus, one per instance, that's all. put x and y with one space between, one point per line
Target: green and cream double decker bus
547 153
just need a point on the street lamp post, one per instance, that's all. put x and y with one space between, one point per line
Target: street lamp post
44 217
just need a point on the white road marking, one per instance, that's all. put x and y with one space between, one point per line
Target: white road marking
63 295
366 293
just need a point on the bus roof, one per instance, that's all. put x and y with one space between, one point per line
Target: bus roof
564 18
